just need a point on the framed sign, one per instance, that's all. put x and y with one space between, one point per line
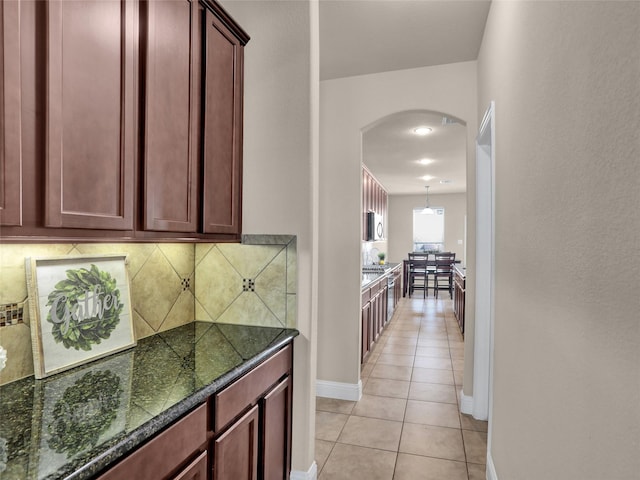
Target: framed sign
80 310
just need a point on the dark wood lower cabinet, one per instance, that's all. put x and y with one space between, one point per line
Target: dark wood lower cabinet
374 315
459 287
167 452
276 432
235 452
196 470
364 336
242 432
267 391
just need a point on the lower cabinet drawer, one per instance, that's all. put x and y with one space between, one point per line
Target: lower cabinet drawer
196 470
234 399
162 456
366 295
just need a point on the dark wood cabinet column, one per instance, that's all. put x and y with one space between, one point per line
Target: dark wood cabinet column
222 156
171 52
91 114
10 105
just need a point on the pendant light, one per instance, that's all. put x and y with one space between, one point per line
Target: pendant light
427 210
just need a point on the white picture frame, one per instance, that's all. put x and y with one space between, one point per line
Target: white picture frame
80 310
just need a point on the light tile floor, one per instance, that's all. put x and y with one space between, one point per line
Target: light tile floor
407 425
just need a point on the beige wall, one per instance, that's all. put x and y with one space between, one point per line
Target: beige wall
347 106
565 77
280 161
400 223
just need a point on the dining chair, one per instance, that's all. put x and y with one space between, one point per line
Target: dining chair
443 274
418 273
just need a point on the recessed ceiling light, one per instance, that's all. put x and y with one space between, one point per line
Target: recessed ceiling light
426 178
425 161
446 182
422 131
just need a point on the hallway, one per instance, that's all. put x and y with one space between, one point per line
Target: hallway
407 425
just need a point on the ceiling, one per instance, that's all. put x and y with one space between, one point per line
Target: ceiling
359 37
393 152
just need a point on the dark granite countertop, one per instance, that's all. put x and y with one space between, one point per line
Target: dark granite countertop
74 424
369 277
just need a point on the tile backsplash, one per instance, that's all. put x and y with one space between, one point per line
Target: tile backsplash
247 284
171 284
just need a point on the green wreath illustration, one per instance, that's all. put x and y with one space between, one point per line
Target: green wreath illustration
77 322
86 410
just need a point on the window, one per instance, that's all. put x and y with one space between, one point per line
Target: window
428 230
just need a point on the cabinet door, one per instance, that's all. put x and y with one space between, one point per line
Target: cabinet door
91 115
222 156
276 432
196 470
166 452
235 452
171 51
10 141
364 338
385 307
373 320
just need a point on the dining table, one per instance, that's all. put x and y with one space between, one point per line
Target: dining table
431 267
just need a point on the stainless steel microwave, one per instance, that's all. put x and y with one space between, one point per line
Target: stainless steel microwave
375 226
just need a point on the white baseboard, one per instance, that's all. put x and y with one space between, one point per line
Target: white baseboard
466 404
339 390
491 469
310 474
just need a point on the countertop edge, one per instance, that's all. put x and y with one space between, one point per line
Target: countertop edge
154 426
377 276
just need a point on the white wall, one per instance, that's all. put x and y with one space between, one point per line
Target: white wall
400 222
348 105
565 77
280 167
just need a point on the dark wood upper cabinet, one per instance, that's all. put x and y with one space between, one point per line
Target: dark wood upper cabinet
374 199
91 114
222 155
121 119
10 106
171 34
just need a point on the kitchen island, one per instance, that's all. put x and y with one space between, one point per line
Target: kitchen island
80 423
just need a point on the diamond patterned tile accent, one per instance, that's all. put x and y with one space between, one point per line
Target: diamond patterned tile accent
249 309
218 284
248 285
271 286
292 267
137 253
13 287
155 289
249 260
165 289
181 257
181 313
